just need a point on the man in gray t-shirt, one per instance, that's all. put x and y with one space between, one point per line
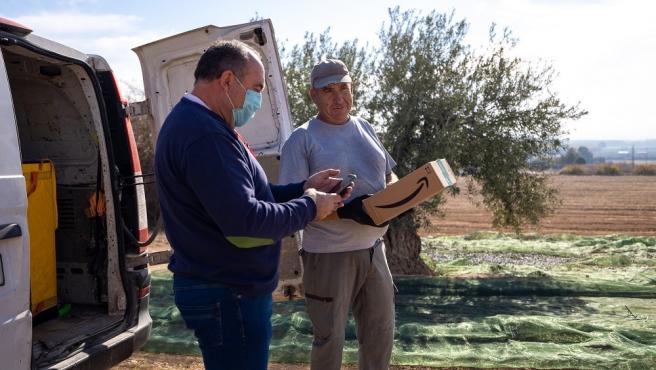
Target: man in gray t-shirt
344 259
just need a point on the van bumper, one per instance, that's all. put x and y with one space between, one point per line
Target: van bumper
114 350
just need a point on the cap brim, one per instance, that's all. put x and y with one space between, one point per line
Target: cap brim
323 82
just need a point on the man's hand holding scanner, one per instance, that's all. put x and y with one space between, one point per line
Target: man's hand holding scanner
325 180
347 187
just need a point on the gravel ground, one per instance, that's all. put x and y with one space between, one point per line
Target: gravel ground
537 260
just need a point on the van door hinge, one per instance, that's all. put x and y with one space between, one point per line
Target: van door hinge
139 108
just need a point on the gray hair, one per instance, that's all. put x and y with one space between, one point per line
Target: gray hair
224 56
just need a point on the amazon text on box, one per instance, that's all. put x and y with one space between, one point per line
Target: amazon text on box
418 186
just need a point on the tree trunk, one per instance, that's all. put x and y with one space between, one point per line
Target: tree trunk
403 246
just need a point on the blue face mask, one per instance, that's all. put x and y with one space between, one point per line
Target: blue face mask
252 103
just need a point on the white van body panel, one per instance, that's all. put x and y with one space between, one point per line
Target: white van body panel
168 69
15 315
56 47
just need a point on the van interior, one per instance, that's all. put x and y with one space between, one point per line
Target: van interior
59 122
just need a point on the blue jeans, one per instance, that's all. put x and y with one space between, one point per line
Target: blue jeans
233 330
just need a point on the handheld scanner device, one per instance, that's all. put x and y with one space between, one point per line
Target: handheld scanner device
349 182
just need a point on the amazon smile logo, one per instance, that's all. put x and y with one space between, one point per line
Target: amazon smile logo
421 182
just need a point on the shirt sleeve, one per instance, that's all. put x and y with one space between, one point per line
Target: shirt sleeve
285 193
390 163
219 175
294 165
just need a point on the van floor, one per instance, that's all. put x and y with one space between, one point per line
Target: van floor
59 334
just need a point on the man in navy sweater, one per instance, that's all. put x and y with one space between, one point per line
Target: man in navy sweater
224 220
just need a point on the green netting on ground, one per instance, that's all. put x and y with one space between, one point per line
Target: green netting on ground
499 301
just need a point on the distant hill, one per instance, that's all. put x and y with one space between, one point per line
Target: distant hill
619 150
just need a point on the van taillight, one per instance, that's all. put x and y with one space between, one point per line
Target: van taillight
142 214
143 292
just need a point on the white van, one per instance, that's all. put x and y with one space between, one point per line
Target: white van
74 281
72 208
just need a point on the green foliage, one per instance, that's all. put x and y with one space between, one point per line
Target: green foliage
585 154
421 92
607 170
645 170
582 155
569 157
299 60
573 170
487 113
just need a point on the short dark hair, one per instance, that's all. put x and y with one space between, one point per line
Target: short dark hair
230 55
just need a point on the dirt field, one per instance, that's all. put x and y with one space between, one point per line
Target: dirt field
591 205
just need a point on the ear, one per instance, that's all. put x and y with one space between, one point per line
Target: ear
312 93
225 79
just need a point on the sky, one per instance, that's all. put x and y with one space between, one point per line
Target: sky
603 50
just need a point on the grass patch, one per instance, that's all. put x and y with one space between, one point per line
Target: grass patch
645 170
576 170
609 261
605 169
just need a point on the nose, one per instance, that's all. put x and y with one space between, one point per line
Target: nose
338 98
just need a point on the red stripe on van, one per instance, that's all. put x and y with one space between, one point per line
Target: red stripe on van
143 235
136 169
136 163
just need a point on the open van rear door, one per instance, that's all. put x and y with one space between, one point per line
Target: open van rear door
168 71
15 315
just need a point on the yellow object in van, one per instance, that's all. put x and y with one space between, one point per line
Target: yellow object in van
42 222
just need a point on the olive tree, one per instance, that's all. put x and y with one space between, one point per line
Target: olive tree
487 112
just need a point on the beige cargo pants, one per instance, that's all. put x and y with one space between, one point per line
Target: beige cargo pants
359 280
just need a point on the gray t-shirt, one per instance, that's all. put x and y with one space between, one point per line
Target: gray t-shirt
352 148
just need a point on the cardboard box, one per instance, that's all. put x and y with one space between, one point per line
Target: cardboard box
418 186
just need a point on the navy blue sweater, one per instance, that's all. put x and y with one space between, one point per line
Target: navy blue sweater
222 218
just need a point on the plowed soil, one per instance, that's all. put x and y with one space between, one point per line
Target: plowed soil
591 205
